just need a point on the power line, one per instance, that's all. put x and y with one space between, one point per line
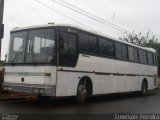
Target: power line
104 8
82 14
61 13
117 16
102 13
110 24
114 14
89 6
91 16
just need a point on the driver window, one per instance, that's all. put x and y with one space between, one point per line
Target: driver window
68 54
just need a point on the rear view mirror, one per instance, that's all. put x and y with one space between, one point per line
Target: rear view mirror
5 57
1 30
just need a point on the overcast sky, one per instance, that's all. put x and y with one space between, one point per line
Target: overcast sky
140 15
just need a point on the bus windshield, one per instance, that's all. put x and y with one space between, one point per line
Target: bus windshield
34 46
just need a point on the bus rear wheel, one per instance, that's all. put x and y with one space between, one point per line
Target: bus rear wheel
144 88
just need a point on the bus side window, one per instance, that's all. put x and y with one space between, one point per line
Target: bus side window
92 45
135 53
102 47
141 56
83 42
118 48
131 53
106 48
121 51
145 57
88 43
124 52
111 51
150 58
154 59
67 54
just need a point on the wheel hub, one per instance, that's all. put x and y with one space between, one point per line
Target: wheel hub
82 91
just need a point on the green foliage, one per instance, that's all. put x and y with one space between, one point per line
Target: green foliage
141 40
144 41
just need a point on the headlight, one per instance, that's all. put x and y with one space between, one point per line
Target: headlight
5 88
42 91
36 90
9 89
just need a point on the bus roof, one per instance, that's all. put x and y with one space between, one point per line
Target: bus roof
77 27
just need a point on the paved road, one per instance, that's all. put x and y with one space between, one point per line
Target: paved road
110 104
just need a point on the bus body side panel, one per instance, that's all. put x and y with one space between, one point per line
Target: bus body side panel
107 75
113 84
151 82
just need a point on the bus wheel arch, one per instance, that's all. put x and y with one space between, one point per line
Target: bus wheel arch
144 86
84 89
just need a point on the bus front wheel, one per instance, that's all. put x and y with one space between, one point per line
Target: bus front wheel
84 89
81 92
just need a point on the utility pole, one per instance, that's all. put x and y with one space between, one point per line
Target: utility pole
1 36
1 23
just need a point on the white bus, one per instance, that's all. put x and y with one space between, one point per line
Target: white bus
64 60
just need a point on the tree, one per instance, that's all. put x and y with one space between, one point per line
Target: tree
144 41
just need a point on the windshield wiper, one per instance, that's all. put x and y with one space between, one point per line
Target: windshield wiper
32 54
18 51
34 59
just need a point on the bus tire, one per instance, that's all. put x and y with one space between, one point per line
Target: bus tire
84 90
144 88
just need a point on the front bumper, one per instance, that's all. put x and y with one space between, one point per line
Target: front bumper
43 90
